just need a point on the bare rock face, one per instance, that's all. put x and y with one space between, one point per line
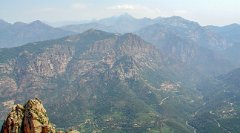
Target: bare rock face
51 62
31 118
6 68
8 86
14 120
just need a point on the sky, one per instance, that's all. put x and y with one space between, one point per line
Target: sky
205 12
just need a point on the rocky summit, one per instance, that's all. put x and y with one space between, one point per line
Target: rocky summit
30 118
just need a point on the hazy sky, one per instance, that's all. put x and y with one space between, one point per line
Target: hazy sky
214 12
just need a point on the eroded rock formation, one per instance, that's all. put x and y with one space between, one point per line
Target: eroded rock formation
30 118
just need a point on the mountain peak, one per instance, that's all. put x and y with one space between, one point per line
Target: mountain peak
130 35
19 24
126 15
93 31
132 40
37 23
179 19
3 22
91 34
232 26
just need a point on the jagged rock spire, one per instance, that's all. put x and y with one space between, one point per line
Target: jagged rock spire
30 118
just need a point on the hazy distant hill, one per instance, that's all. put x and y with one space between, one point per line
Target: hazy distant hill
160 31
154 29
117 24
230 32
19 33
172 28
84 27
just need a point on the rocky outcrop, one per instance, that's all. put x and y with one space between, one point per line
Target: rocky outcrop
30 118
14 120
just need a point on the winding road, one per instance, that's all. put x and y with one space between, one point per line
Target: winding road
194 129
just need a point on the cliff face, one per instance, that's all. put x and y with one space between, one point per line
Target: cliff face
30 118
14 120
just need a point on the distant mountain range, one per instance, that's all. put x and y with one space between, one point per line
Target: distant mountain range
125 23
117 24
162 31
167 75
12 35
152 30
175 28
